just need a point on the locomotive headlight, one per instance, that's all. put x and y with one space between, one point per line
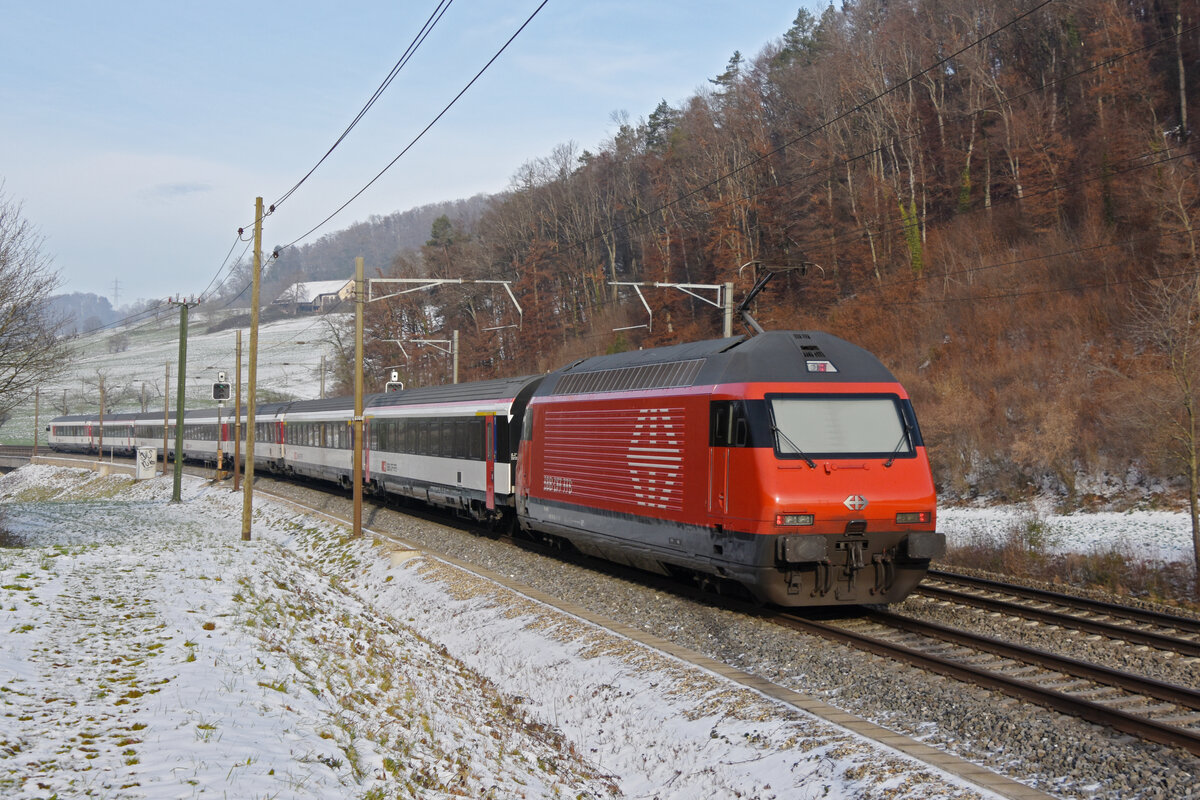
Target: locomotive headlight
788 520
914 518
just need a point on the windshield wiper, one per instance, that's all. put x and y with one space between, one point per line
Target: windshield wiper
812 464
899 444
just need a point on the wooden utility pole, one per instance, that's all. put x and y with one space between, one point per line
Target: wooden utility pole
37 397
359 301
252 373
237 417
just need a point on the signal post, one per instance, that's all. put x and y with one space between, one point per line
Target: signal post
220 393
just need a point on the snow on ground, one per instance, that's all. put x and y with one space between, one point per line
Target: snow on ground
146 651
289 361
1156 536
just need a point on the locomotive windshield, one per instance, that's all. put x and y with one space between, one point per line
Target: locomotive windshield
839 426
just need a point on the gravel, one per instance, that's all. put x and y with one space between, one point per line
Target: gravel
1057 754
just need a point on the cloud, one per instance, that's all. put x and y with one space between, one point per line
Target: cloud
169 191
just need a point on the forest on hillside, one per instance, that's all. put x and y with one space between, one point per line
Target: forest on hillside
377 239
998 198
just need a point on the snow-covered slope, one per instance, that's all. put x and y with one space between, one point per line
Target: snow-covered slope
289 364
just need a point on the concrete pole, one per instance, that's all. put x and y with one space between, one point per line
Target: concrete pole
728 329
100 443
359 301
180 395
454 354
237 416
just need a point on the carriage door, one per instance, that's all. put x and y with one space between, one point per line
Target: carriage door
720 413
728 428
489 454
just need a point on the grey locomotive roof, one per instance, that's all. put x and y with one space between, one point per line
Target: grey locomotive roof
499 389
784 356
772 356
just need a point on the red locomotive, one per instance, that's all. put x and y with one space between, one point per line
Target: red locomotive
789 463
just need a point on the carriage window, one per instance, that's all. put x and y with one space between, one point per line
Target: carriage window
435 438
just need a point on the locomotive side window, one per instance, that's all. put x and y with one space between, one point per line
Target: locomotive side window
728 424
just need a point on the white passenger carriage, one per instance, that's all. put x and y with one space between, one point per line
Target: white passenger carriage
317 439
449 446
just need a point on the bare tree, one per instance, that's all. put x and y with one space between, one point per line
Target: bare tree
1167 318
31 344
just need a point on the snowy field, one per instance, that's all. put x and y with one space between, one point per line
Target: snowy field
289 363
1155 536
146 651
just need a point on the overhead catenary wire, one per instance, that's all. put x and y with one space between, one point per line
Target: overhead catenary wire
434 18
694 191
1149 159
423 131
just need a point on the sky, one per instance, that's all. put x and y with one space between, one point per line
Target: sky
136 135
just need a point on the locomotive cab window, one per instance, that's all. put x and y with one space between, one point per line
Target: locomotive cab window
843 426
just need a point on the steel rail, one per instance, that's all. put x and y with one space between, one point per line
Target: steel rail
1161 690
1107 629
1095 606
1084 709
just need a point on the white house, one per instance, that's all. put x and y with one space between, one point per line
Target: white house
315 295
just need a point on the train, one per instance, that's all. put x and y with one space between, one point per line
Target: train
788 465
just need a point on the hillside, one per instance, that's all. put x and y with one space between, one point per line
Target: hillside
379 240
288 367
999 199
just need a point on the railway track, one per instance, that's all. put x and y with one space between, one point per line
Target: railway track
1155 710
1139 626
1152 710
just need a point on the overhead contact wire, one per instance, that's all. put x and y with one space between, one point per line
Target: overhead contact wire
413 46
425 130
